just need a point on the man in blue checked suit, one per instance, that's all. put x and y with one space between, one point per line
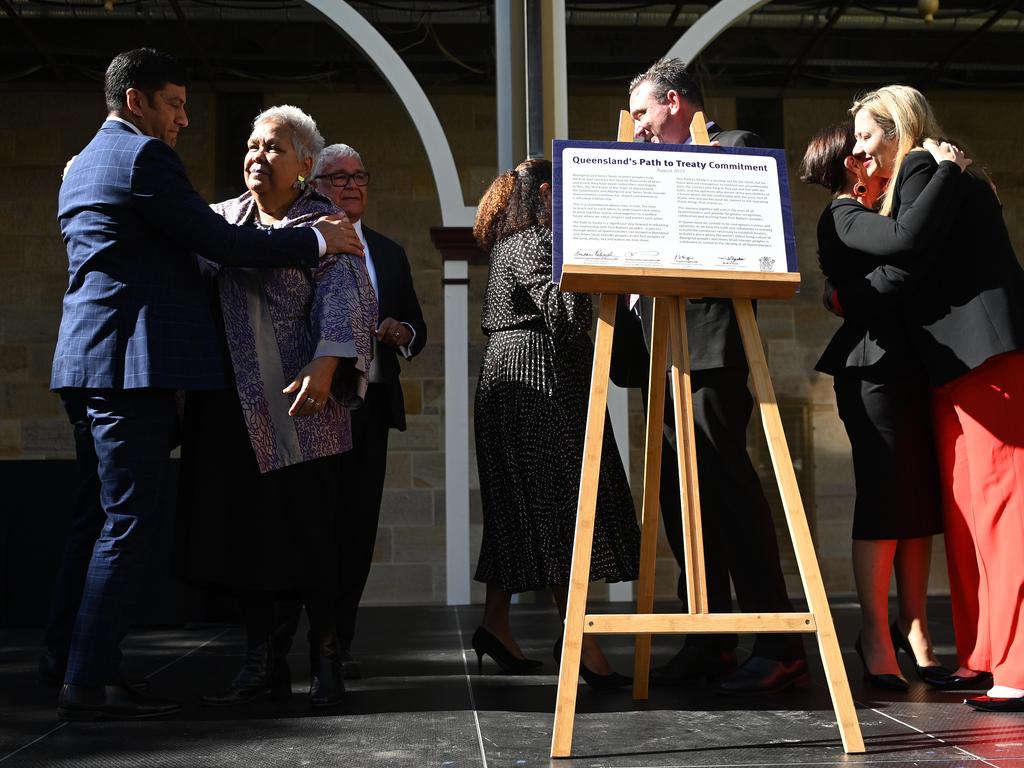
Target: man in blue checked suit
135 328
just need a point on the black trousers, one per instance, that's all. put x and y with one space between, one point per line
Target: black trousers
739 536
362 486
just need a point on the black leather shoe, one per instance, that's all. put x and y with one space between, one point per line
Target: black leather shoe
326 683
264 673
350 668
53 667
762 675
692 664
110 702
995 704
954 682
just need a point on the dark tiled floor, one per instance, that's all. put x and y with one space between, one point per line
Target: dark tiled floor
421 704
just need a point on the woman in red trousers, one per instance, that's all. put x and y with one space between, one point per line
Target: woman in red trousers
962 299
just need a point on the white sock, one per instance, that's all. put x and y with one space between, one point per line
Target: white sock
1005 692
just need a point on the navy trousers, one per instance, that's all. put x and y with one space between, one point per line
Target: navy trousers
86 523
123 439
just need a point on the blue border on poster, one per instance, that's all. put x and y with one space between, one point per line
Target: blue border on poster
559 145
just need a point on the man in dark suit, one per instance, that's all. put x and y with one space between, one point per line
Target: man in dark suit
739 536
341 176
135 328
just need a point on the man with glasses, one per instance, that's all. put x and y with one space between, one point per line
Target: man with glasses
341 176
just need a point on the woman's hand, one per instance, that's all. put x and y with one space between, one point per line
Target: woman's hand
947 151
313 384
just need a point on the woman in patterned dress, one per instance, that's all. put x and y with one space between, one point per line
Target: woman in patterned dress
530 417
260 459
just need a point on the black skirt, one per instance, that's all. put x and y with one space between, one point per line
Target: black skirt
530 419
895 464
243 530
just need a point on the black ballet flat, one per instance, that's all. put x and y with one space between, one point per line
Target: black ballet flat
995 703
930 675
953 682
886 682
595 680
486 644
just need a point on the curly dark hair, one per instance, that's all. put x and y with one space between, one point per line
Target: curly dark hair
513 203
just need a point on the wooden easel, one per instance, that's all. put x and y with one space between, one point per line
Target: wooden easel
669 327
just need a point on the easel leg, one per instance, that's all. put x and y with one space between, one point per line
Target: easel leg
686 455
579 576
652 493
803 546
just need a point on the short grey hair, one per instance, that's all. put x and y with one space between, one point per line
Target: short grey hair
305 136
335 152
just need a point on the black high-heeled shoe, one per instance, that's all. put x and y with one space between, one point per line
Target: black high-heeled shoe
931 675
595 680
486 644
888 682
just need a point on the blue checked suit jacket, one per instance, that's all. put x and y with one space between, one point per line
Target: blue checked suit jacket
135 313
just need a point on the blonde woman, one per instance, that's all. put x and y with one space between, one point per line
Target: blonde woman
881 395
962 300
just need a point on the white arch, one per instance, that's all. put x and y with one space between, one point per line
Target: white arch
709 26
454 211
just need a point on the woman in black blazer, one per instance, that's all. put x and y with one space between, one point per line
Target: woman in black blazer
963 305
880 391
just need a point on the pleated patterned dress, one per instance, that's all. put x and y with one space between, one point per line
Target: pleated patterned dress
530 418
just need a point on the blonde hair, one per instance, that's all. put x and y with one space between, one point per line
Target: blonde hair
906 117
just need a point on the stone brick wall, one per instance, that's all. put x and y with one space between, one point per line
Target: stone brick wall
43 129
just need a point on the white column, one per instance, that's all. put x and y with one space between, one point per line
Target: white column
560 91
456 427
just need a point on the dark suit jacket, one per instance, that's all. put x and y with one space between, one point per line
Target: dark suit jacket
134 313
711 324
963 300
396 298
853 241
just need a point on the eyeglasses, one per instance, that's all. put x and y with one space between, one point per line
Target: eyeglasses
339 179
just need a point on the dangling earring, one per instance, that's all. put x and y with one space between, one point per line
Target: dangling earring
300 183
860 188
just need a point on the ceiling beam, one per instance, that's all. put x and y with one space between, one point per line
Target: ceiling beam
801 57
35 42
935 72
197 50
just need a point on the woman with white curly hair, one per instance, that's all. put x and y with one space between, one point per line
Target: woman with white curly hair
260 459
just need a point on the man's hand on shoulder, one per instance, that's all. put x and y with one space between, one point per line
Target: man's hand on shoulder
339 234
